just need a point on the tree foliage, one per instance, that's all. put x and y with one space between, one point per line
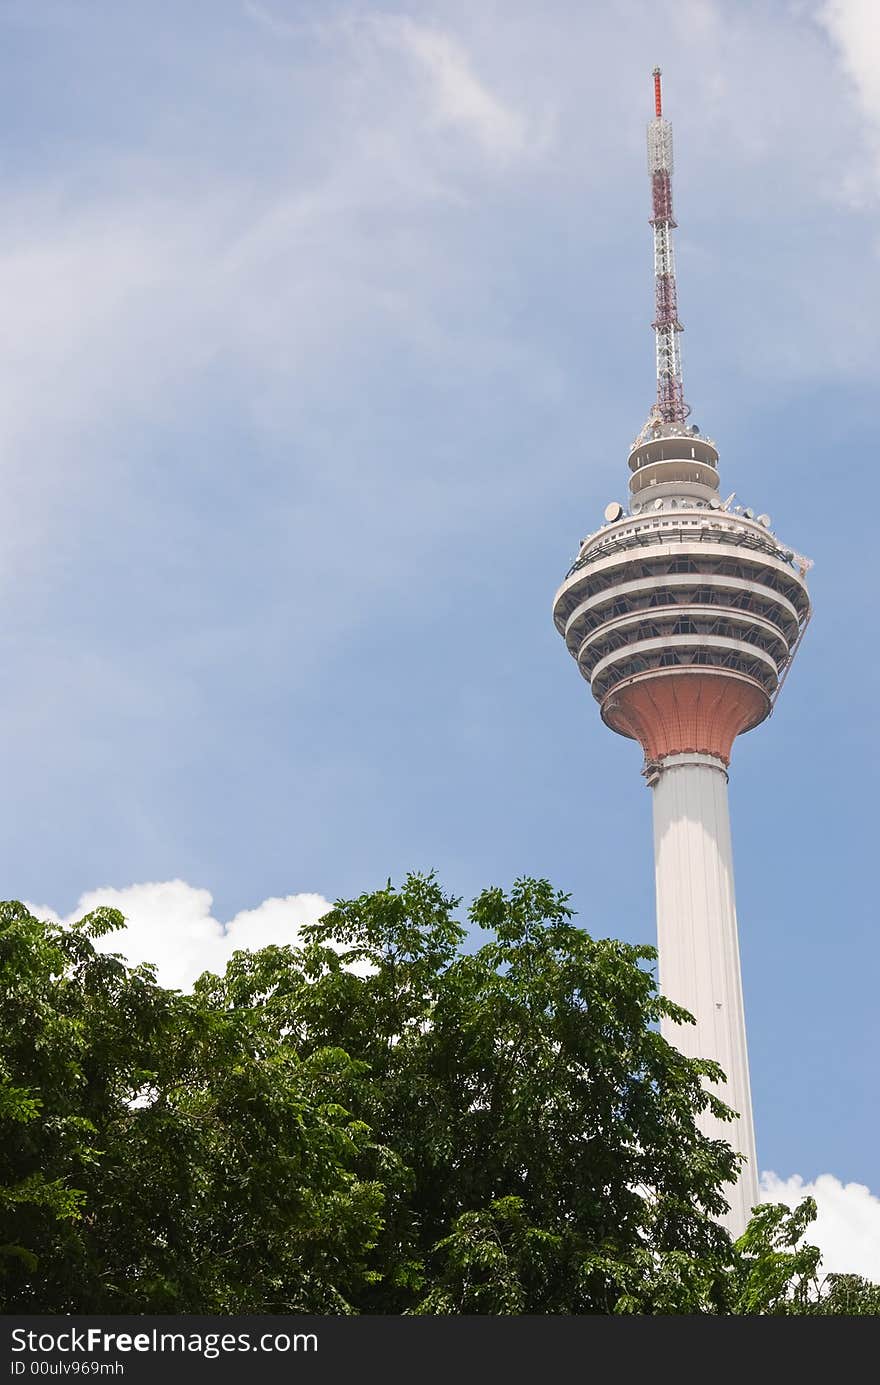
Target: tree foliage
376 1121
164 1155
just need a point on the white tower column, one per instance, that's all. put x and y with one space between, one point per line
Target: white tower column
699 948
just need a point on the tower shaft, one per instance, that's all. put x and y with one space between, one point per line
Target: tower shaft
699 948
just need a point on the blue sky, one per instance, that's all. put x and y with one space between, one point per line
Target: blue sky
326 330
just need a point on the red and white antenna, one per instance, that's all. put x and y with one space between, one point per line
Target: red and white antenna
670 406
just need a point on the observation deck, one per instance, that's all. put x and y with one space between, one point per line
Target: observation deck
682 615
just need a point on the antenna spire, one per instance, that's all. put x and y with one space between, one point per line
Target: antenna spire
658 97
670 406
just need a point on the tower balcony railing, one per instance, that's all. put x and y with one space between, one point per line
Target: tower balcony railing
646 532
660 473
652 657
656 560
688 621
685 446
658 598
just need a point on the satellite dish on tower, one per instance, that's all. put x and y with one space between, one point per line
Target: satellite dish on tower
715 503
749 513
658 504
613 512
765 520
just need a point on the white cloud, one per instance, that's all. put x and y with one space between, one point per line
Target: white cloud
852 24
171 923
280 28
459 97
120 304
853 29
847 1228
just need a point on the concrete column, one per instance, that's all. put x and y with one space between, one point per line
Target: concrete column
699 948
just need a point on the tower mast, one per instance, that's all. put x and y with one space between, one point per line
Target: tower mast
670 406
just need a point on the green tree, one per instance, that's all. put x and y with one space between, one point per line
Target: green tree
526 1070
376 1121
161 1156
848 1295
